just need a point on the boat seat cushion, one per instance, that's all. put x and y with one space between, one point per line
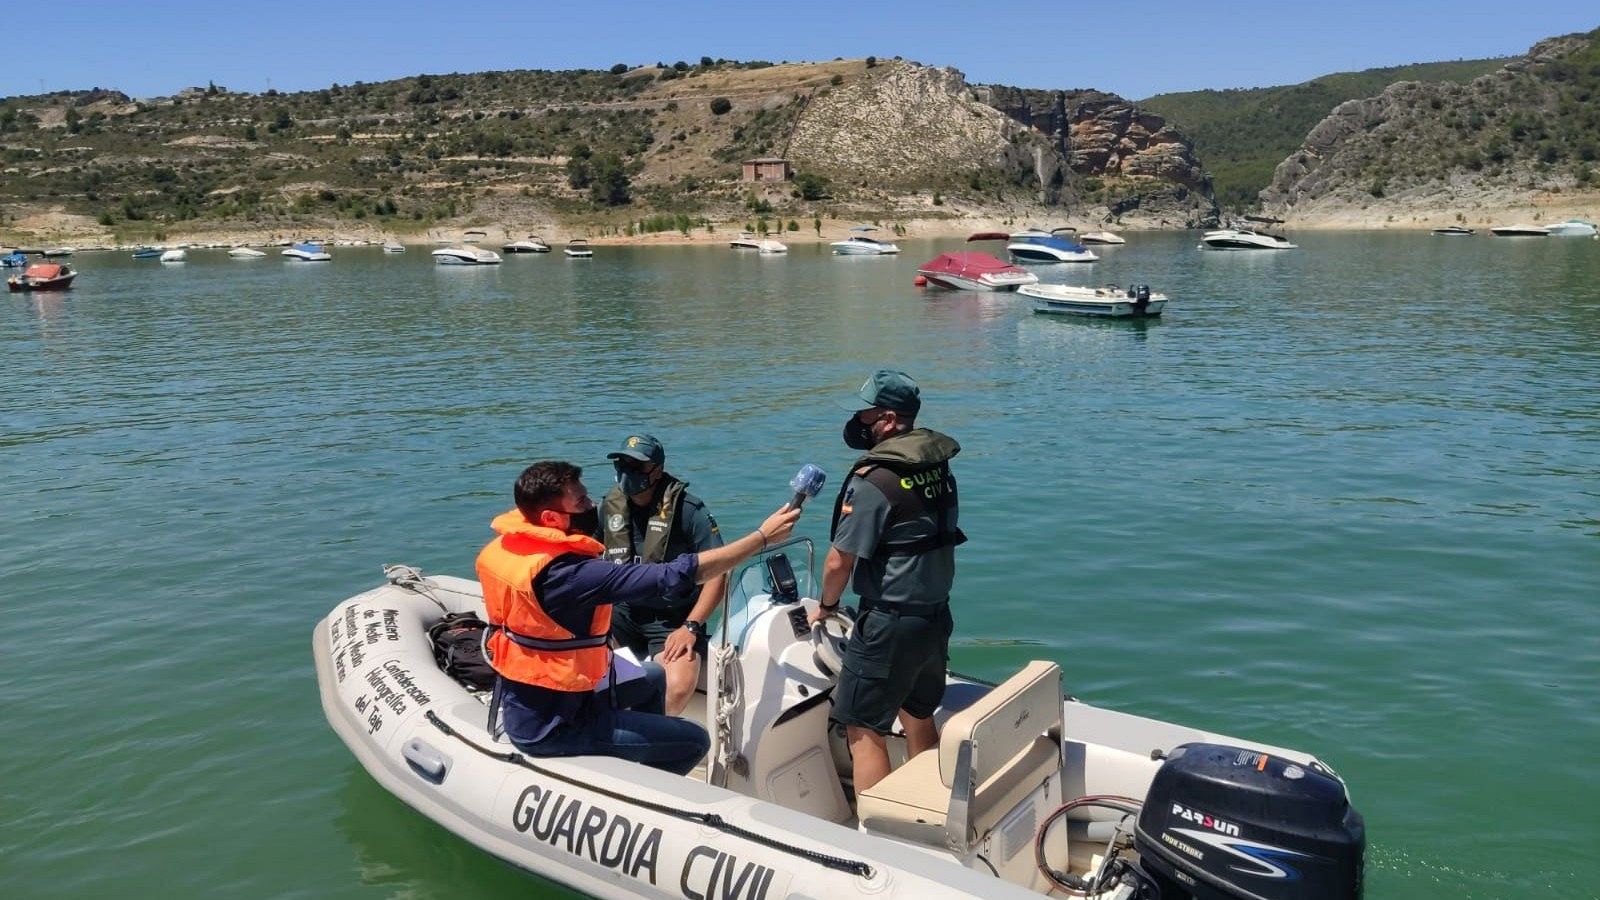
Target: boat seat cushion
1015 732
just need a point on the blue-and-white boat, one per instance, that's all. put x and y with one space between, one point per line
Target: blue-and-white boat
307 252
1044 247
16 259
148 252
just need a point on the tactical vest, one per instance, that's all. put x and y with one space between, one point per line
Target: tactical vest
616 524
524 644
912 492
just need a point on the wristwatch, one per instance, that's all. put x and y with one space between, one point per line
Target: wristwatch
698 629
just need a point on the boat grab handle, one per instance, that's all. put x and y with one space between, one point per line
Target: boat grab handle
425 760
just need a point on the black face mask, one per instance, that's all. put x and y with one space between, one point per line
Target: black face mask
585 523
632 481
858 434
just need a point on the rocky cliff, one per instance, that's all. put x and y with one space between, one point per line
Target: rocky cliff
1516 137
917 128
1145 169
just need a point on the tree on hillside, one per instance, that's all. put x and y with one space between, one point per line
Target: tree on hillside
811 187
610 185
619 68
720 106
579 174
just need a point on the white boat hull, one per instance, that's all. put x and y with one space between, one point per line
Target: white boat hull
1572 229
985 282
611 828
1232 239
1041 253
245 253
863 248
294 255
525 247
174 256
1056 299
466 256
1520 231
1101 237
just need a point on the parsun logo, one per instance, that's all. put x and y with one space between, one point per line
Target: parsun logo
1204 820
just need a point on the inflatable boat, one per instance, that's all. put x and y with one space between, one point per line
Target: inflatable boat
1030 792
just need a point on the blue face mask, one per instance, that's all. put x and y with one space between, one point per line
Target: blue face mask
632 480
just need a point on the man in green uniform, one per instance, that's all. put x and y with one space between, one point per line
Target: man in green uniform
650 517
894 530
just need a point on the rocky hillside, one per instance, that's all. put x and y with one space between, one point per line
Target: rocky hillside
604 149
1134 165
1242 134
1526 134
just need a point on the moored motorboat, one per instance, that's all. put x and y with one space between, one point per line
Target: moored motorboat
393 246
972 271
1026 247
1029 792
58 251
245 253
1111 301
466 256
43 277
530 244
1520 230
1454 231
769 247
16 259
473 236
306 251
859 244
1244 239
175 256
148 252
746 240
1101 237
578 248
1573 228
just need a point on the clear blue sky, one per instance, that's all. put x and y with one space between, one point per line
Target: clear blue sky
1131 47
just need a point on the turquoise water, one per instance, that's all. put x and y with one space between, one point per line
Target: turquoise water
1345 498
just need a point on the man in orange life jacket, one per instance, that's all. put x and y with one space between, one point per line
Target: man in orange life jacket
548 594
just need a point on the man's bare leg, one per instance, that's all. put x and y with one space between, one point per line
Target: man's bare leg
869 756
921 734
683 674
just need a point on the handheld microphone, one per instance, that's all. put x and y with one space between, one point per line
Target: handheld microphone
806 483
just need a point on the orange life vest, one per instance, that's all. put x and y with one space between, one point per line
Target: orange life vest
526 645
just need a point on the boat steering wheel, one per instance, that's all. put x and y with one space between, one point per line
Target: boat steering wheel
828 640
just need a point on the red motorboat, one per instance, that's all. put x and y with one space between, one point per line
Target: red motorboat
43 277
975 272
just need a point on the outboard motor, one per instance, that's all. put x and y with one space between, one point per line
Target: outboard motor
1225 823
1141 297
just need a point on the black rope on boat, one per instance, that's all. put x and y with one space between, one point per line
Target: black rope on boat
711 820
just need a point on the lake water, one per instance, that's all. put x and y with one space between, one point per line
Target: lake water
1344 498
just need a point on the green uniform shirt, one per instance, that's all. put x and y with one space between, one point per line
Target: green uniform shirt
923 579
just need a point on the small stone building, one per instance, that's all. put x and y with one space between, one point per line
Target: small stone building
767 168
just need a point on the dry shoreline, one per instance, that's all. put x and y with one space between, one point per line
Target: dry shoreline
54 229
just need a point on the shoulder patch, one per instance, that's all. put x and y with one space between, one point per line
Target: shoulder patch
711 520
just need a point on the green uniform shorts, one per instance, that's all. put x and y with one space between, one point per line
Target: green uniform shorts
895 659
645 631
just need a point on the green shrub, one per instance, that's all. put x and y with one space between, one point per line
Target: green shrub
720 106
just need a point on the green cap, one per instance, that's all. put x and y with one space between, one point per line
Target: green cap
643 447
890 389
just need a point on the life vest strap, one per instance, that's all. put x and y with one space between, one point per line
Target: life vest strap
528 642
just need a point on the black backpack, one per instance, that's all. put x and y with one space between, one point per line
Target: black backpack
458 648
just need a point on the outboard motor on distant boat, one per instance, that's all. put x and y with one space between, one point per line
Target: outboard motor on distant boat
1141 296
1225 823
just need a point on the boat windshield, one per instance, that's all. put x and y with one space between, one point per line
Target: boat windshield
750 587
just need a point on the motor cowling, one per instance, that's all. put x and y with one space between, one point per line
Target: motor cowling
1228 823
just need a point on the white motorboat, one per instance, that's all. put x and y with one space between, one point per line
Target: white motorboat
1454 231
1573 228
466 256
769 247
578 248
58 251
1029 793
1101 237
1520 230
859 244
1243 239
1111 301
530 244
306 251
473 236
174 256
245 253
746 240
1036 247
393 246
